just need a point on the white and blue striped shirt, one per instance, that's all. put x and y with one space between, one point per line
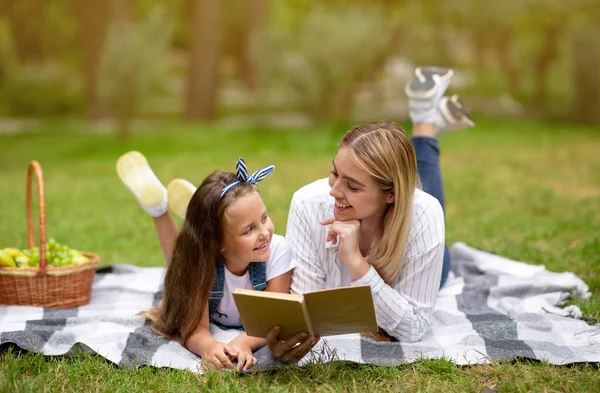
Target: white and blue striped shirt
403 310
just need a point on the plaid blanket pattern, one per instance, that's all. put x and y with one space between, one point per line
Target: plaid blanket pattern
490 309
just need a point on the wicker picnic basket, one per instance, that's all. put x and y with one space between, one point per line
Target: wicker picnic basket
46 286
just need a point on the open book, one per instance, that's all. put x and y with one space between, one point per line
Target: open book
320 313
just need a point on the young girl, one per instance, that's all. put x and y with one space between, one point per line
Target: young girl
226 242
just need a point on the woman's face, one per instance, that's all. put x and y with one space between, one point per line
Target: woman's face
248 232
357 197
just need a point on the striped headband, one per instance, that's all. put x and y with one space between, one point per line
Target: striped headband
242 175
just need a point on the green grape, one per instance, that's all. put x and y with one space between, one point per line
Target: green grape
57 254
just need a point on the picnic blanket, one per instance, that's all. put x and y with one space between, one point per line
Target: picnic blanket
491 308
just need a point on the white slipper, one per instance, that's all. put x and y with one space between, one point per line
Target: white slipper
135 172
180 193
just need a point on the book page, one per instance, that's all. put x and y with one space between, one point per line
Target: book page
341 310
260 311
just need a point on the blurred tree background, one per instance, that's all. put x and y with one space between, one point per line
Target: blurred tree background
261 62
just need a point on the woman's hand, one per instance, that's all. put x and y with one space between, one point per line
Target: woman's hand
348 232
245 358
291 350
217 355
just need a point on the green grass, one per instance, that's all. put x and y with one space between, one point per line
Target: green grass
527 191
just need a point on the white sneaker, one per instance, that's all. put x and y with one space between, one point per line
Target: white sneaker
425 92
452 115
180 193
135 172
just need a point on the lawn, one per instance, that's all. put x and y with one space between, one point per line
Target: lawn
527 191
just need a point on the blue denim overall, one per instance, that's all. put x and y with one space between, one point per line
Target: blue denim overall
258 279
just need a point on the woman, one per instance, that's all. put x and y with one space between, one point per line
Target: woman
370 224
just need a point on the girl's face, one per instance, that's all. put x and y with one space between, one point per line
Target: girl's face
357 197
248 233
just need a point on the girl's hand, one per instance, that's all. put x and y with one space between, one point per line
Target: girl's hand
245 359
217 355
291 350
348 231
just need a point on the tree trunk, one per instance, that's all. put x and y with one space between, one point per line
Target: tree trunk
506 60
257 13
121 10
343 103
478 31
205 50
542 65
479 47
586 73
94 17
26 20
125 119
442 55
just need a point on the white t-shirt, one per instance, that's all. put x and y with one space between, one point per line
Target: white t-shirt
279 262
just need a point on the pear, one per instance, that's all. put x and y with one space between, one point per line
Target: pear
78 257
23 261
14 252
6 259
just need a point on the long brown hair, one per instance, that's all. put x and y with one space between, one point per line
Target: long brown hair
386 153
191 272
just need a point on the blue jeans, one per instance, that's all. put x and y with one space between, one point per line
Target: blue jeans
428 165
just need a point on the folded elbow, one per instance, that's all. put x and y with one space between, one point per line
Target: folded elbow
414 336
411 332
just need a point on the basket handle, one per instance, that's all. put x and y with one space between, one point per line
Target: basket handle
34 166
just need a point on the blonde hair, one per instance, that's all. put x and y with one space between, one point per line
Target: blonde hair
387 154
